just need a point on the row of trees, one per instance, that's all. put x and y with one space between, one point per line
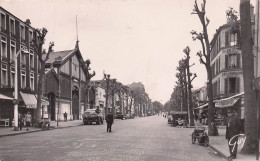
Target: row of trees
132 95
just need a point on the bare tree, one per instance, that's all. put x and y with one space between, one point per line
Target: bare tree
189 75
43 57
86 67
205 59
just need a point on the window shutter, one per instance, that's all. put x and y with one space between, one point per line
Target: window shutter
226 86
226 61
237 85
238 61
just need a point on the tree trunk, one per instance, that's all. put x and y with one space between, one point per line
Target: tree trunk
190 105
40 93
248 75
185 91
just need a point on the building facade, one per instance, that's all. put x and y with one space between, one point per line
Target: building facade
66 84
15 35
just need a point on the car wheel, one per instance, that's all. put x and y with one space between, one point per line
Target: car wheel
206 142
193 138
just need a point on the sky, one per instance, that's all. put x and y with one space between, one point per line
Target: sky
132 40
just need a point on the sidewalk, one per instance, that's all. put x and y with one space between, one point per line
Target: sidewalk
220 145
8 131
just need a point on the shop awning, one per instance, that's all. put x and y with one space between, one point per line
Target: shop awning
45 102
202 106
29 100
3 97
228 102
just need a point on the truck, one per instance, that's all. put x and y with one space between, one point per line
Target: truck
91 115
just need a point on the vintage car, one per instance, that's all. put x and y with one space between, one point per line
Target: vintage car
179 118
120 115
91 116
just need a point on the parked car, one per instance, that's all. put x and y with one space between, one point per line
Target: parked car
91 116
120 115
128 116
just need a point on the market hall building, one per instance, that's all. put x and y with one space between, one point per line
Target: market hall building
65 85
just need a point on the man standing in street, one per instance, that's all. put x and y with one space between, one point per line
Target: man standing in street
232 130
109 120
65 116
28 120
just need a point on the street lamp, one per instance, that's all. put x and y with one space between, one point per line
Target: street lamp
107 79
25 51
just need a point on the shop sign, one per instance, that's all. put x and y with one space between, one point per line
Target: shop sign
229 51
228 74
226 103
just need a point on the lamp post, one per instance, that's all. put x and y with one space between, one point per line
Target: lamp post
25 51
107 79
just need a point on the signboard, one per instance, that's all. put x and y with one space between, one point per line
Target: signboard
226 103
231 73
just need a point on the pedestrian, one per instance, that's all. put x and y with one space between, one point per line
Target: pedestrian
233 128
28 119
20 121
196 117
65 116
109 120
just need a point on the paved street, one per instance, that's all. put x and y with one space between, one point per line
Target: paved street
139 139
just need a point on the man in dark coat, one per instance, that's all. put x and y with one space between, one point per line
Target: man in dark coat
109 120
232 130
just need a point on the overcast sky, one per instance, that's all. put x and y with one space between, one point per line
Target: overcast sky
132 40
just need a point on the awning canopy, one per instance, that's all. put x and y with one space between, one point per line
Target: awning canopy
202 106
228 102
29 100
3 97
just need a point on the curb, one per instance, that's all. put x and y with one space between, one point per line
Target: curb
219 152
38 130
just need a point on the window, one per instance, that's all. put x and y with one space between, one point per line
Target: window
30 36
12 26
23 57
232 61
23 79
2 21
12 76
22 33
4 82
12 54
232 85
31 59
3 47
227 39
32 81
